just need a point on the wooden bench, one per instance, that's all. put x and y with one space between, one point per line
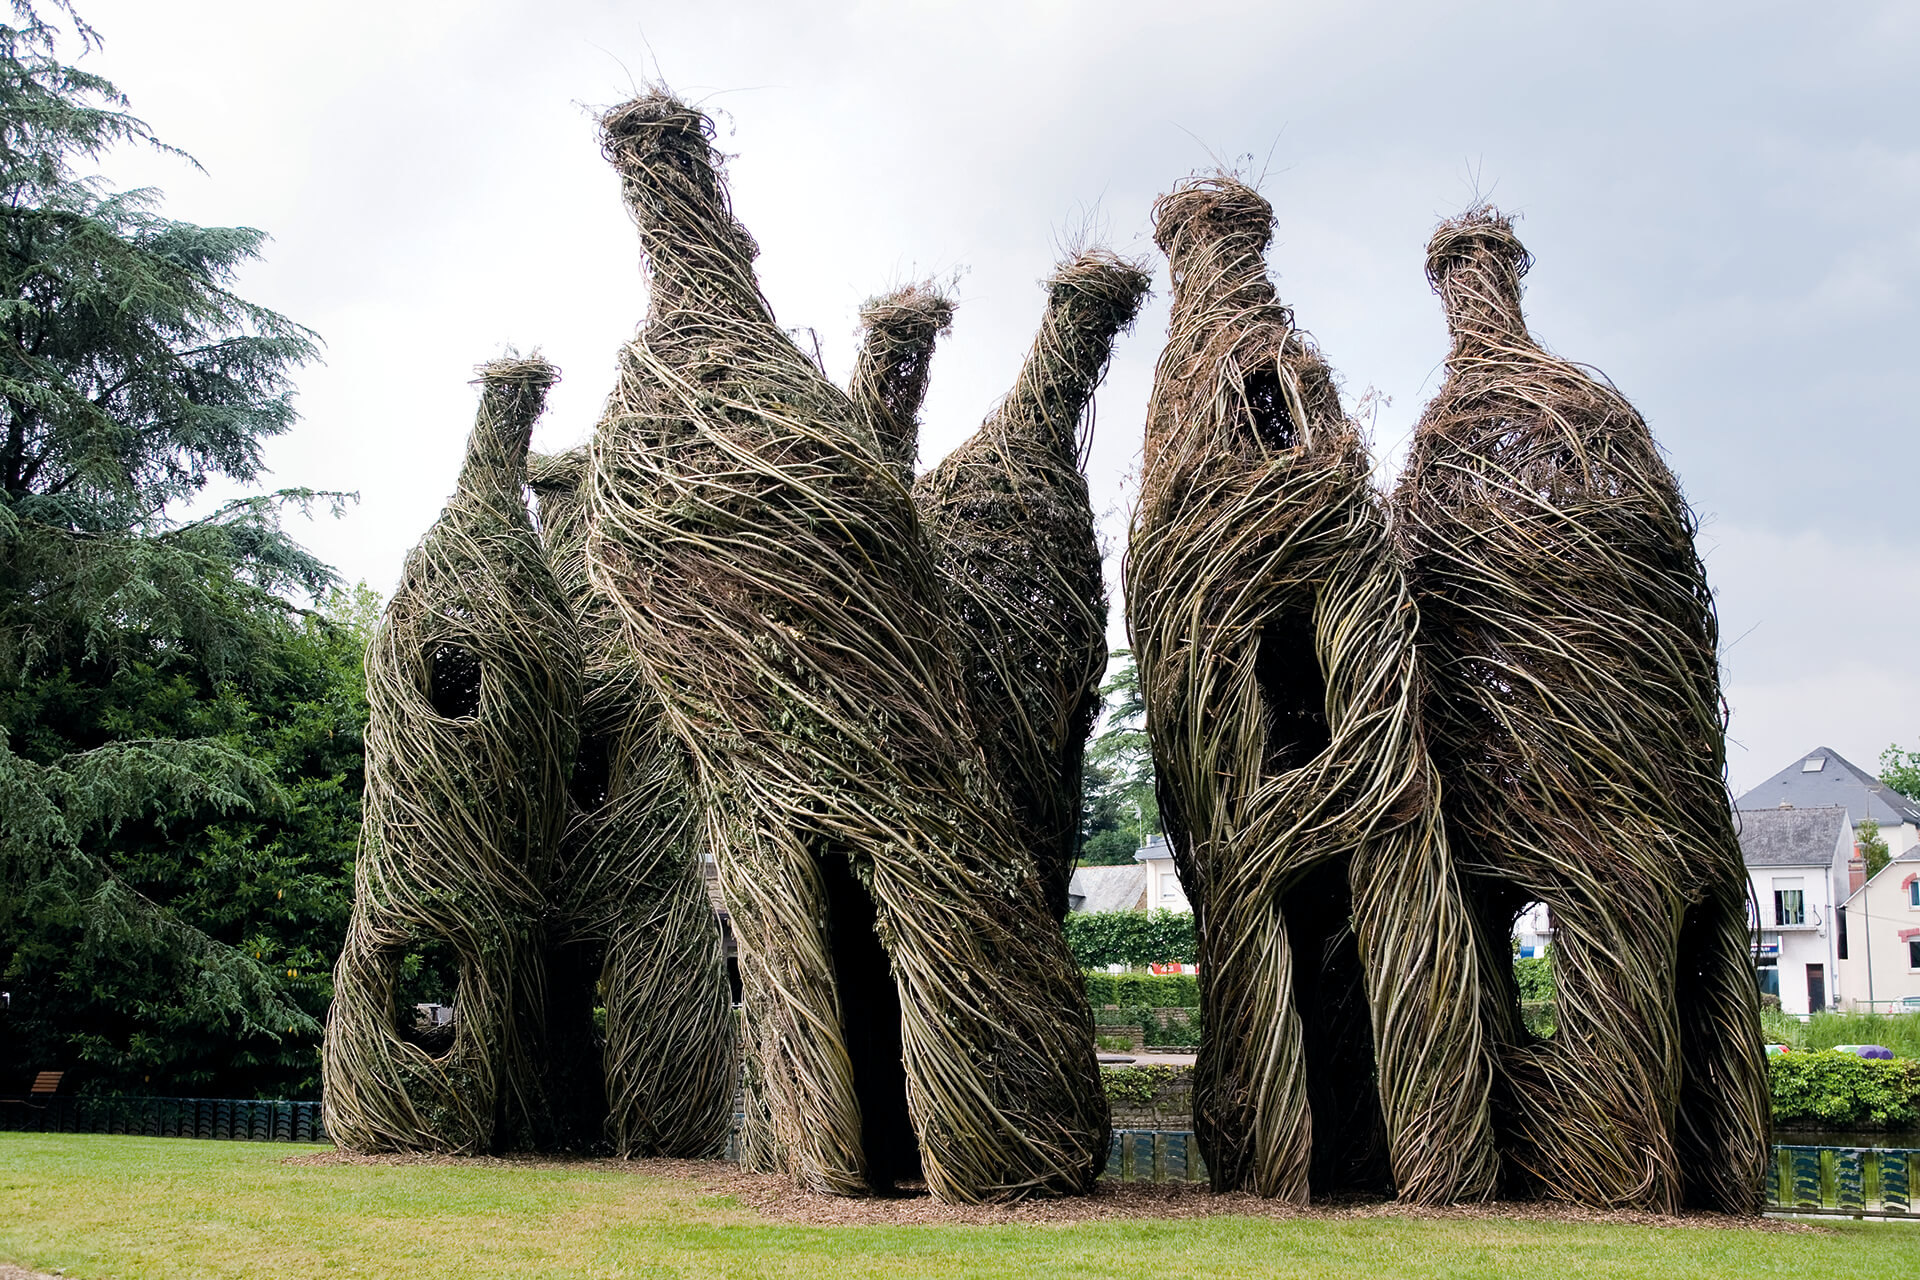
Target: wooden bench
46 1084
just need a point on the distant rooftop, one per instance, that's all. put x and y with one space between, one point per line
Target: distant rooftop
1122 888
1825 777
1155 847
1791 837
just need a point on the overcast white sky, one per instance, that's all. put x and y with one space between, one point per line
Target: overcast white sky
1724 200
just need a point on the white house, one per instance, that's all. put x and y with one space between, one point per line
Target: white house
1164 890
1797 865
1150 884
1532 930
1880 962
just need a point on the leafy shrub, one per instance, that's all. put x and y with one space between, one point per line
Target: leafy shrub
1101 938
1151 990
1840 1091
1135 1086
1533 975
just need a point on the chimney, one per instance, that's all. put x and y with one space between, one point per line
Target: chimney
1856 870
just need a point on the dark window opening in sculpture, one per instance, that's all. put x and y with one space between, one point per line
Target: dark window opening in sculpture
426 1013
592 778
1267 410
870 1026
453 681
1293 690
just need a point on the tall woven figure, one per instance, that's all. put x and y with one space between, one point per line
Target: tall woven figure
1575 715
633 924
1275 640
472 682
1012 532
910 1006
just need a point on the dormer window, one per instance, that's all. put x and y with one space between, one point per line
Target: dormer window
1813 764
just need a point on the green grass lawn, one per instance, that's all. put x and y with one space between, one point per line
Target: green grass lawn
107 1208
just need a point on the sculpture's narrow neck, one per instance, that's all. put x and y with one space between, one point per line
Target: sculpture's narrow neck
1475 264
1089 301
513 394
1215 233
670 178
890 375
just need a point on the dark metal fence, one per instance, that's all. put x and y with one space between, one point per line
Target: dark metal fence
229 1119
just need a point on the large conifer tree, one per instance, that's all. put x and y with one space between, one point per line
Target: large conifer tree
179 771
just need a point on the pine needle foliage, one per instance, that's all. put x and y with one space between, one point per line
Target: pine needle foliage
165 705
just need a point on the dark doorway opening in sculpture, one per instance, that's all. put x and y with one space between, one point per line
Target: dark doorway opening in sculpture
453 681
1329 979
1336 1035
870 1027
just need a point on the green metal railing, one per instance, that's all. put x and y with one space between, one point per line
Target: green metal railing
1855 1181
228 1119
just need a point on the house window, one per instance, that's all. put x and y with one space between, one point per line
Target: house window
1840 938
1767 972
1913 893
1789 902
1913 953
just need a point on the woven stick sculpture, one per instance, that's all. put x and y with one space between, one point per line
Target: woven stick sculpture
472 682
1012 532
890 374
774 586
629 899
1275 641
1575 716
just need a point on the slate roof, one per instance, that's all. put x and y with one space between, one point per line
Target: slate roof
1838 781
1791 837
1122 888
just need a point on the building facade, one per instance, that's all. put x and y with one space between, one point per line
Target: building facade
1881 965
1797 871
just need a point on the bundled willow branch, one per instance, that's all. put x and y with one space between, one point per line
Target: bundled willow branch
629 899
1575 715
890 375
1011 528
774 586
1275 640
472 682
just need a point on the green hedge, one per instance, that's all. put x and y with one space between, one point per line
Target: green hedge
1151 990
1839 1091
1101 938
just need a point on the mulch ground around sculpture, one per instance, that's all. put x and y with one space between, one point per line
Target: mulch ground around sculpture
779 1199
